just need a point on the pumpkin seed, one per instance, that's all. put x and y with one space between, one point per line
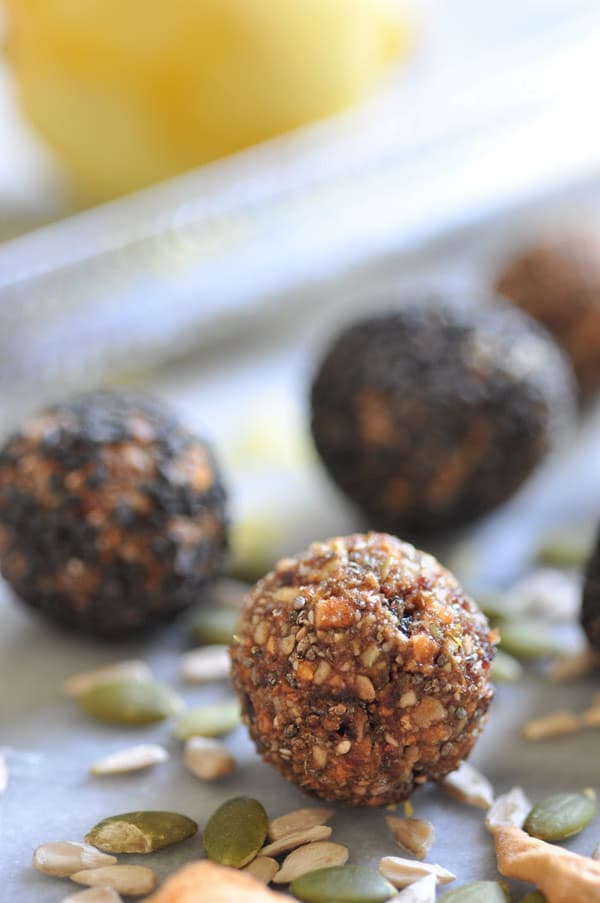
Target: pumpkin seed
528 638
263 868
208 759
560 816
133 669
534 896
236 832
64 858
297 839
129 880
206 664
342 884
478 892
215 626
94 895
309 858
130 702
505 668
298 820
211 720
141 832
135 758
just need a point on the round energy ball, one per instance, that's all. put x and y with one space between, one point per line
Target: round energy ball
590 605
432 414
112 514
557 281
362 669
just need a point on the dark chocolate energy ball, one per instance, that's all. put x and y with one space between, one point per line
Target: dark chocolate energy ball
590 606
112 515
362 669
432 414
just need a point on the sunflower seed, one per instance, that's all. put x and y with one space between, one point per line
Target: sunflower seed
342 884
298 820
236 832
3 775
94 895
64 858
560 816
204 665
262 868
412 834
208 759
211 720
556 724
309 858
509 809
468 785
127 670
141 832
296 839
129 880
402 872
421 891
130 702
135 758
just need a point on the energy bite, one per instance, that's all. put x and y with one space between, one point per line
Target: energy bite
112 514
430 415
362 669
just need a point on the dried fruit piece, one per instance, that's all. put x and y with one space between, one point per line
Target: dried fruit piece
205 882
141 832
296 839
94 895
412 834
263 868
309 858
556 724
505 668
64 858
135 758
468 785
402 872
211 720
529 638
215 626
342 884
236 832
209 663
130 702
478 892
421 891
129 880
509 809
208 759
298 820
560 816
561 875
133 669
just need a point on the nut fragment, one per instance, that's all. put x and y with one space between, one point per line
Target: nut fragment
468 785
509 809
412 834
205 882
135 758
208 759
3 775
209 663
141 832
263 868
556 724
309 858
561 875
421 891
133 669
298 820
129 880
402 872
65 858
296 839
94 895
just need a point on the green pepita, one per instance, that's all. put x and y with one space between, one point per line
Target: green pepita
505 668
236 832
130 702
560 816
528 638
479 892
215 626
211 720
343 884
141 832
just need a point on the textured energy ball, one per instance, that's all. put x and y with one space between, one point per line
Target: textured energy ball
557 281
362 669
112 515
430 415
590 605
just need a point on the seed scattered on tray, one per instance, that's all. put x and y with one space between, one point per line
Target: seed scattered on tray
298 820
236 832
296 839
207 758
556 724
135 758
529 639
467 785
343 884
215 626
478 892
141 832
415 835
561 815
505 668
133 669
205 665
211 720
421 891
64 858
575 665
309 858
94 895
508 810
263 868
402 872
130 702
3 774
128 880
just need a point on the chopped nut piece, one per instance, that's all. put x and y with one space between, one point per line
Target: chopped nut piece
412 834
208 759
127 670
205 882
468 785
556 724
263 868
3 775
297 839
402 872
65 858
206 664
129 880
561 875
508 810
421 891
309 858
94 895
135 758
365 688
299 820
